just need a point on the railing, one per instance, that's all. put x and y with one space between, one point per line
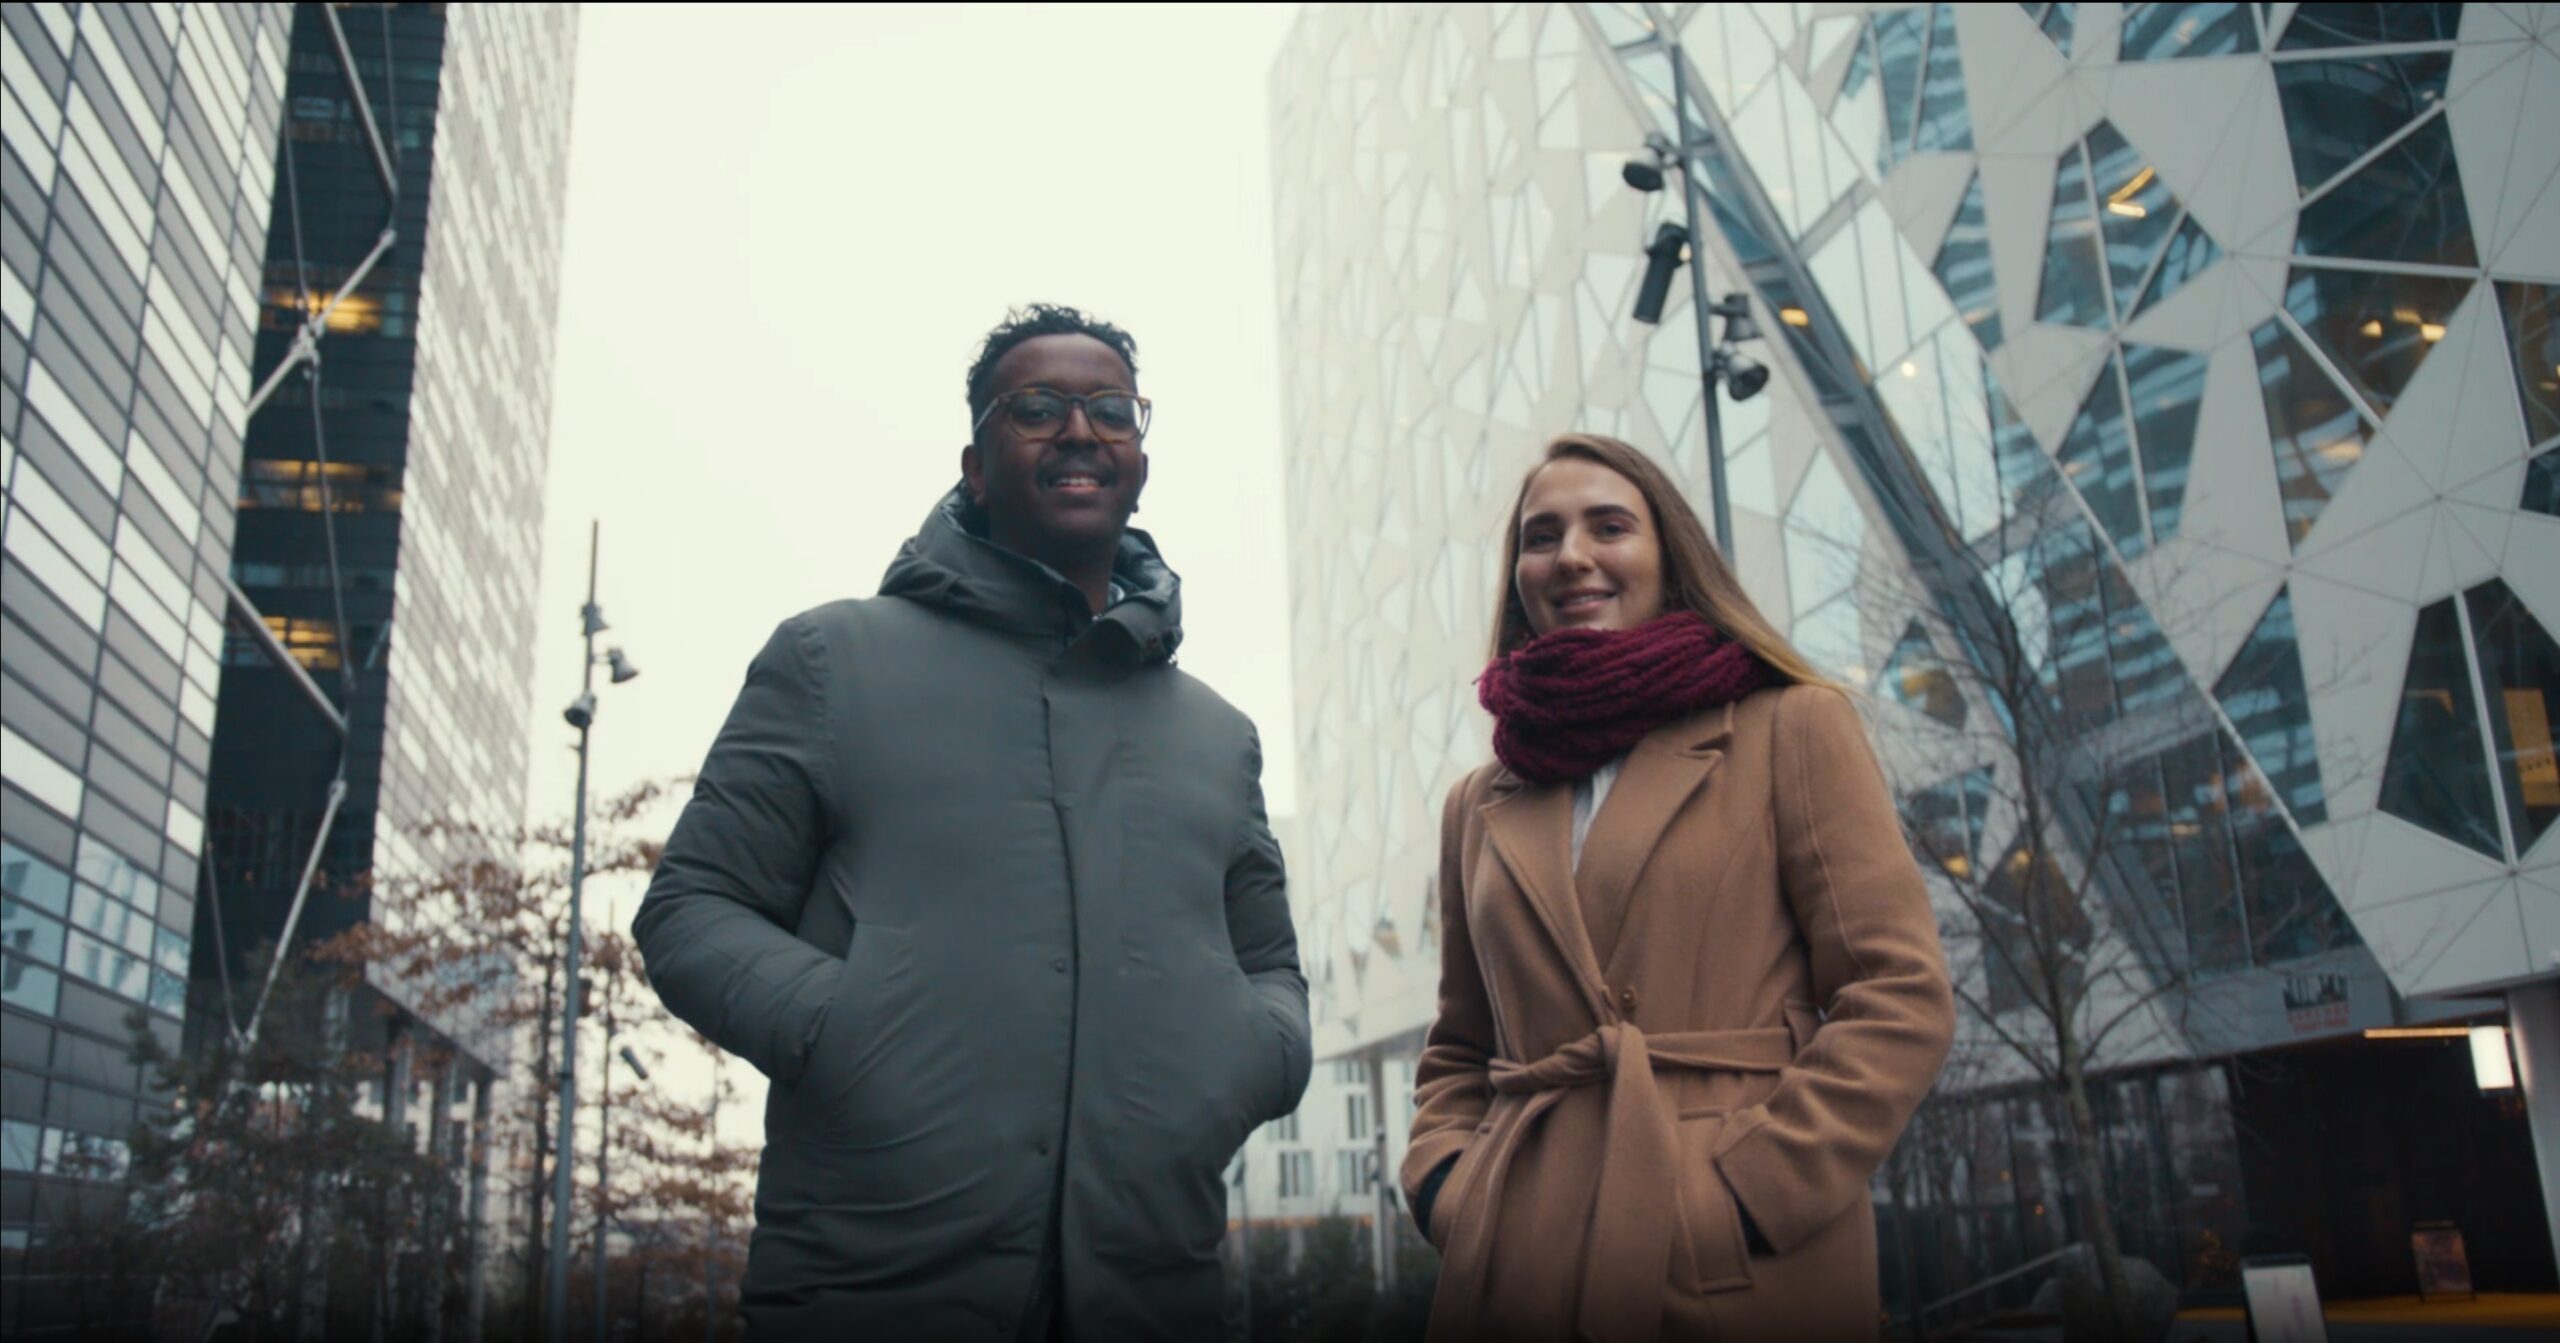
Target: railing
1916 1322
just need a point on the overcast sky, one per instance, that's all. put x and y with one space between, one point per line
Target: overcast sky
788 229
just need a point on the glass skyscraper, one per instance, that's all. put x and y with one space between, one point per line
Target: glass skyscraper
137 157
2204 350
185 187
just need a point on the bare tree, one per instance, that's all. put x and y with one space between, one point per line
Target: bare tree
2140 851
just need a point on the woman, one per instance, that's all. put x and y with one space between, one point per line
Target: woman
1691 986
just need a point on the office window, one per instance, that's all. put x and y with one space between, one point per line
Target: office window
1297 1174
1355 1117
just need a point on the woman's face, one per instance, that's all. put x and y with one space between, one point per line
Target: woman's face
1590 557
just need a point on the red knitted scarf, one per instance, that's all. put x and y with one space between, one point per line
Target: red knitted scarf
1571 700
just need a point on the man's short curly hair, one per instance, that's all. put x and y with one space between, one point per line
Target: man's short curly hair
1042 319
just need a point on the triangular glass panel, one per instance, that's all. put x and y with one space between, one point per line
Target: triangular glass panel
2136 210
2292 913
2167 388
2263 694
1946 821
2520 667
2437 774
2314 429
1964 268
1901 36
2376 327
2147 671
2316 26
2533 335
2335 112
2074 289
2190 250
2097 457
2406 205
2542 484
1945 123
2168 32
2054 21
1914 676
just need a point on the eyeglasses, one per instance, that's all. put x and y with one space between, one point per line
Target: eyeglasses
1037 413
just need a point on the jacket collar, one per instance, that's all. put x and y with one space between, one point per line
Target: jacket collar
950 564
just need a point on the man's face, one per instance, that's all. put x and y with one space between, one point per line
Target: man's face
1055 495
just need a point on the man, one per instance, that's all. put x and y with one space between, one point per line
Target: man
983 883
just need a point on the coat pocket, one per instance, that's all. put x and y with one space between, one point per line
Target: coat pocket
1714 1256
1450 1204
837 1093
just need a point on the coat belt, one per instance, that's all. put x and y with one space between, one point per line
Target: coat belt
1626 1267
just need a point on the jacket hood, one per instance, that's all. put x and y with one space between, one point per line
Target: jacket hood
950 564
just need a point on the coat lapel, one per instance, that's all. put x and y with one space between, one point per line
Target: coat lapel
1531 828
1664 771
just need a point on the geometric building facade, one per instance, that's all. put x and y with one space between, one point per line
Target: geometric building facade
137 158
2208 350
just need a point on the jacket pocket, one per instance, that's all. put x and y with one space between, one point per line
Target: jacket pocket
838 1093
1713 1255
1450 1203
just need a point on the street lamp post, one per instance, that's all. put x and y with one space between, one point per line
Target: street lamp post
582 716
1718 364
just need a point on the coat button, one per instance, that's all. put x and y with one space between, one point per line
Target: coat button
1627 998
1059 965
1044 1147
1066 802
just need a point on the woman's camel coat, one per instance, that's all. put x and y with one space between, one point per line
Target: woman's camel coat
1734 1004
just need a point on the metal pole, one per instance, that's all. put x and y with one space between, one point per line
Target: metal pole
711 1137
556 1318
1383 1195
604 1143
1710 359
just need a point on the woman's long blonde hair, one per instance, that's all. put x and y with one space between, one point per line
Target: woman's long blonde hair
1694 577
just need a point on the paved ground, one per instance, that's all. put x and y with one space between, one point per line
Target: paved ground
2493 1318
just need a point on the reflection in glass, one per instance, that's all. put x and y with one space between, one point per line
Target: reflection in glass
1831 636
2376 328
1944 123
2147 672
2028 481
2337 111
2165 32
1964 268
2167 386
1936 397
2054 21
2315 431
2291 912
2189 252
1899 36
1915 676
2135 815
2097 458
2406 205
2369 25
2200 840
2534 337
2032 919
2520 671
2542 483
2263 693
2136 210
1825 529
1946 822
2074 290
2437 775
